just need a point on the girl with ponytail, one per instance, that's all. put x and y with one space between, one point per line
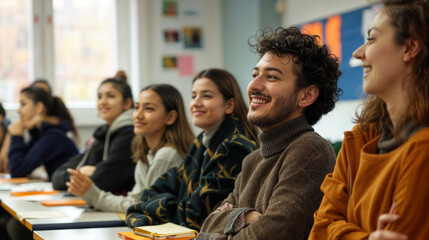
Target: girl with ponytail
107 161
48 121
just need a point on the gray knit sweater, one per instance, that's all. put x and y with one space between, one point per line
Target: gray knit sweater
281 181
144 175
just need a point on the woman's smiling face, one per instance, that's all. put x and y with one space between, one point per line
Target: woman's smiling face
208 106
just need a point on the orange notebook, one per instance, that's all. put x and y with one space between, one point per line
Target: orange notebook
131 236
63 202
28 193
14 180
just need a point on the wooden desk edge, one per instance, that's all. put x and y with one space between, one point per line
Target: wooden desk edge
22 221
37 236
10 211
27 224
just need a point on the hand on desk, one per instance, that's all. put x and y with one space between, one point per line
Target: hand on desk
79 183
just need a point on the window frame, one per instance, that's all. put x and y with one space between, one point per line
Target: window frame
42 53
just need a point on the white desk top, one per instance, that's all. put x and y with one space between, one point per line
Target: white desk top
82 234
73 217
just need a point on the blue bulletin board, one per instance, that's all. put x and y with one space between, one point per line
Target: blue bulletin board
344 33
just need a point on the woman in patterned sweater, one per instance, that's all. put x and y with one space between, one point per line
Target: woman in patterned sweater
186 195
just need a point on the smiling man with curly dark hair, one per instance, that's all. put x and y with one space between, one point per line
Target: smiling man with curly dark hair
312 63
278 190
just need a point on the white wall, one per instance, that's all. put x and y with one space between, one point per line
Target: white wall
209 18
301 11
297 12
333 125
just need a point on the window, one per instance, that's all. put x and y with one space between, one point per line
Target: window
85 48
71 43
14 45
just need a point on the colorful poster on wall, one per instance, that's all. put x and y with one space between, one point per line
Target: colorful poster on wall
169 62
185 64
343 34
192 37
171 36
169 8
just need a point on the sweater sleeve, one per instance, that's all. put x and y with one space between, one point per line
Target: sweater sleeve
61 176
160 203
166 187
23 159
330 220
106 201
163 160
34 137
216 183
295 197
410 195
115 172
216 221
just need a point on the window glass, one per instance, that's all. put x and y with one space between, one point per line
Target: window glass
14 49
85 48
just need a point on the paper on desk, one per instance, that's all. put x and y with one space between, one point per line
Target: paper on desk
41 214
30 187
40 197
6 186
121 216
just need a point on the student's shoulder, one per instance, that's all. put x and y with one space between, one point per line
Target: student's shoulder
310 145
124 132
126 129
54 130
419 140
311 138
238 138
358 131
167 153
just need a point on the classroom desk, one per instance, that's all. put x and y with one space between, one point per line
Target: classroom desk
77 217
6 185
88 233
14 204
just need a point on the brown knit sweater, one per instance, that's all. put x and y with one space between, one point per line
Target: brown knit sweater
281 181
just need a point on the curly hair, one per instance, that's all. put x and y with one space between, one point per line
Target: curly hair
313 64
